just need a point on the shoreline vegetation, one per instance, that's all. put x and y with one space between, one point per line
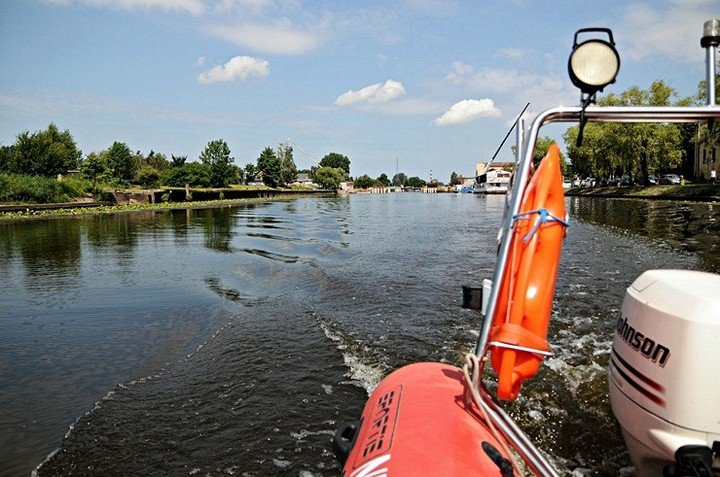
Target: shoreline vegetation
84 209
689 192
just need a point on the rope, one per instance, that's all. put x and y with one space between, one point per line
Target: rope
545 217
472 362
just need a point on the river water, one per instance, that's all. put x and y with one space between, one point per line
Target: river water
233 341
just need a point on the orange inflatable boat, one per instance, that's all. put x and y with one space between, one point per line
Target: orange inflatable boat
418 422
426 419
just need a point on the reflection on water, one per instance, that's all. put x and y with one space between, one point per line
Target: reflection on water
690 226
90 302
234 340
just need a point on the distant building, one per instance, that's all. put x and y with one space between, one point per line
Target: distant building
706 158
303 179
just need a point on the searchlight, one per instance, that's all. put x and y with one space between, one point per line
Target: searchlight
593 64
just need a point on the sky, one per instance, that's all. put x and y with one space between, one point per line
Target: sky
408 85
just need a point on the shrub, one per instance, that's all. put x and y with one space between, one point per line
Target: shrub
193 173
147 175
33 189
76 186
329 177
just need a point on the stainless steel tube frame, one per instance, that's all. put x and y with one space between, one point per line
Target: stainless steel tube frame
521 443
526 147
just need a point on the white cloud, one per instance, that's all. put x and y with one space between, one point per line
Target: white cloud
281 38
468 110
195 7
373 94
238 67
459 72
200 61
512 53
252 6
674 32
499 80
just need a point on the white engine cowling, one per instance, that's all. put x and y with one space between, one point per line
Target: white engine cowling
665 366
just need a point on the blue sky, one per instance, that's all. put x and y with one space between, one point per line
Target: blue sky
432 83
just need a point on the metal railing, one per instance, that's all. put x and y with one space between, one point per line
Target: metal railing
525 149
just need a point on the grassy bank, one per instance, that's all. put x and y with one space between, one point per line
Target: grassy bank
22 188
114 209
694 192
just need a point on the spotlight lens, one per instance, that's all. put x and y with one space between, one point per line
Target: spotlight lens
595 63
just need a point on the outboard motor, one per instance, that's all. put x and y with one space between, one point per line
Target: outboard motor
665 373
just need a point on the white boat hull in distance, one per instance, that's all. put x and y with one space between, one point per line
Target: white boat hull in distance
497 182
495 188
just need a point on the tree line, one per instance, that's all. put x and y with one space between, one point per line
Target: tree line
637 150
607 150
399 180
634 150
51 152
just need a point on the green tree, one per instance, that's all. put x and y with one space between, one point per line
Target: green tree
383 180
364 181
335 159
119 161
617 148
193 173
288 170
178 161
269 165
45 153
138 161
147 175
329 177
217 157
92 167
399 179
7 158
541 148
454 179
416 182
158 161
250 173
238 174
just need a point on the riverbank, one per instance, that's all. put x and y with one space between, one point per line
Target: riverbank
693 192
41 211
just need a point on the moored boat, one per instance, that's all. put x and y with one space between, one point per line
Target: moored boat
428 418
496 182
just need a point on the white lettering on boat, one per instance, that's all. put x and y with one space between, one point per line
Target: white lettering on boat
370 468
638 341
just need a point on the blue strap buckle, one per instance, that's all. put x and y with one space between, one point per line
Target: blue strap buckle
545 217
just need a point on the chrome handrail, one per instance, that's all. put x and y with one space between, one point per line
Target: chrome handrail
602 114
512 432
522 444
